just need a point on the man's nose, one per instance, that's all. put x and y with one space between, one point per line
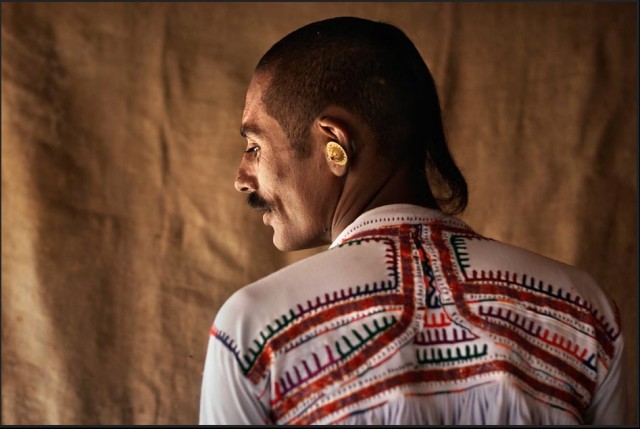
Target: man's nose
245 182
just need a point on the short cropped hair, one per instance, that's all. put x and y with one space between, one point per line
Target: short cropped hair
373 70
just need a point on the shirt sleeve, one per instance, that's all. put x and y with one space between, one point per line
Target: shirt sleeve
609 400
227 396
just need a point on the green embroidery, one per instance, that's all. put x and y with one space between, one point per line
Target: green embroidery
462 257
363 339
437 355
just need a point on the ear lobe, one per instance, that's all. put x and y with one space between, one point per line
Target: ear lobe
337 158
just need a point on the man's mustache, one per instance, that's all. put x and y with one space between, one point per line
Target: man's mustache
257 202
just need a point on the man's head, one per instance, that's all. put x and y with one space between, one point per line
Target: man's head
369 83
298 195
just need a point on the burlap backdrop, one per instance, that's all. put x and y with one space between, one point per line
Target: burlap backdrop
121 231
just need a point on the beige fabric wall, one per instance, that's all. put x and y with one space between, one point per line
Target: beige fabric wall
122 234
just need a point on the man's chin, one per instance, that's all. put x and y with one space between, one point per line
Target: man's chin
284 246
289 243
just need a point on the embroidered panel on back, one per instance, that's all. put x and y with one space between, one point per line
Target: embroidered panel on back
451 315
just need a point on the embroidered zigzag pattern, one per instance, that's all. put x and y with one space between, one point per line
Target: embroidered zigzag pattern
356 352
527 282
445 350
303 372
535 330
441 355
432 337
249 358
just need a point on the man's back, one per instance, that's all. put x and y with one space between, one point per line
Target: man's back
411 317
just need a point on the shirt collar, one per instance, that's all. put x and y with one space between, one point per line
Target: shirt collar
394 214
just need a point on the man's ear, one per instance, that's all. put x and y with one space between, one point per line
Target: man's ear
336 140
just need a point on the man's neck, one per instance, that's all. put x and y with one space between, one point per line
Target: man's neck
396 187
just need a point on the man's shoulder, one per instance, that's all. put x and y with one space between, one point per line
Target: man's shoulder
299 288
481 258
491 267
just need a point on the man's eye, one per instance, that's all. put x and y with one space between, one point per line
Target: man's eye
253 149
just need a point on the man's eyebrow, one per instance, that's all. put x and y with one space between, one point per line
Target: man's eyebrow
250 129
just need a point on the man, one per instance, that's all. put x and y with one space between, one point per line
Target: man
410 317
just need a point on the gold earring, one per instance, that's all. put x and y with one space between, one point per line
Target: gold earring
336 154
